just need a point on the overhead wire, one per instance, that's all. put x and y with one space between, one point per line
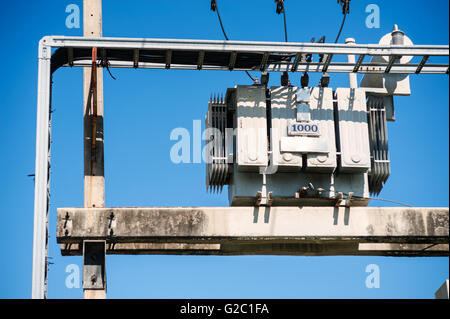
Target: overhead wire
430 246
391 201
340 29
371 198
285 27
215 7
281 9
107 69
345 4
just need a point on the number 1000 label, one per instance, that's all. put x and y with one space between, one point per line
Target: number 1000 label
303 129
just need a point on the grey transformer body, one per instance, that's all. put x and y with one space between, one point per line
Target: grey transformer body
286 145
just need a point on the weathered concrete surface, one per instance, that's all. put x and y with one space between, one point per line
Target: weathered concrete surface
148 249
291 249
94 172
263 230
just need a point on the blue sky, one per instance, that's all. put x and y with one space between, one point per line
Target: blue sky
143 106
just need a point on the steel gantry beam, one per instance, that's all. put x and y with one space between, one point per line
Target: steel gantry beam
248 56
42 175
193 55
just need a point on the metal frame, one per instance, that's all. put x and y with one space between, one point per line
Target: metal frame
41 200
42 174
265 48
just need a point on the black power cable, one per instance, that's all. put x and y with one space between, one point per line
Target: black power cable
215 7
285 28
371 198
107 69
281 9
340 30
345 5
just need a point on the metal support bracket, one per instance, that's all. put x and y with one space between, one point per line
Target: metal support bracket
232 62
348 201
111 224
94 257
339 198
67 225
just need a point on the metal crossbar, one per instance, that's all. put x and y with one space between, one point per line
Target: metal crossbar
248 56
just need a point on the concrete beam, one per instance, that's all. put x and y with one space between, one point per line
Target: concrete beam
258 230
305 249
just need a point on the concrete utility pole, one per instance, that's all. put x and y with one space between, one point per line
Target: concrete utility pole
94 177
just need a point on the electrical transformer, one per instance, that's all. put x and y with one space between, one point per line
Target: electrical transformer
304 146
286 145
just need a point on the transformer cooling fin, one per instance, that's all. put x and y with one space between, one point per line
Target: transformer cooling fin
218 169
380 164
